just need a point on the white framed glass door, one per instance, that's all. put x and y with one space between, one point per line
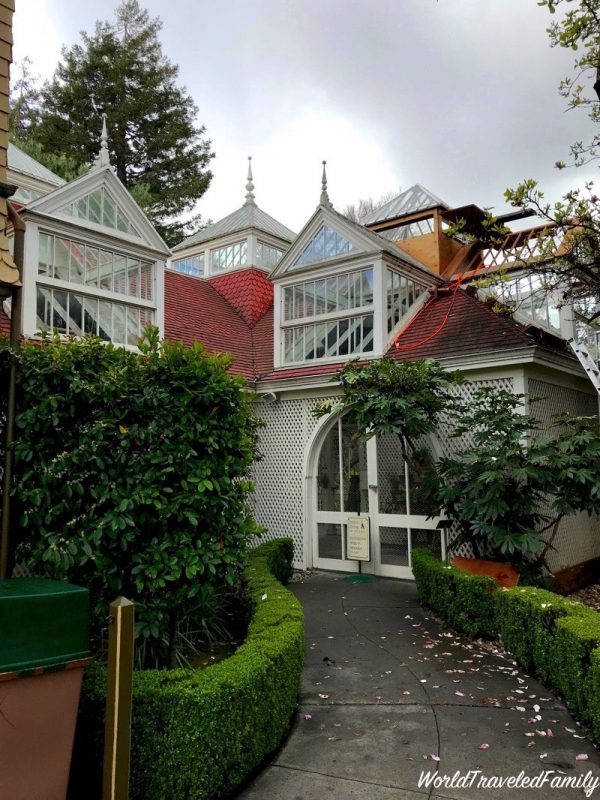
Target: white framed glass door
370 477
400 512
341 491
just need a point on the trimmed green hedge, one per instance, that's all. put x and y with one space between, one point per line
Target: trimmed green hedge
464 601
279 554
200 733
552 637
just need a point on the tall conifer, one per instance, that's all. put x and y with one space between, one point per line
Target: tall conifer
157 148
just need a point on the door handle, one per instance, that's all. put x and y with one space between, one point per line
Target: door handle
373 487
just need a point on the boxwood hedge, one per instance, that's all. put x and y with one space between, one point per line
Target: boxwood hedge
200 733
552 637
464 601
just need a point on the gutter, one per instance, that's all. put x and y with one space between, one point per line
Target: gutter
16 315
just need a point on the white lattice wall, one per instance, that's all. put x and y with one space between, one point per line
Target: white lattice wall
578 538
289 427
279 495
451 445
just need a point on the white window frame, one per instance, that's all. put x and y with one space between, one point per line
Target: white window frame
295 278
177 258
95 239
227 270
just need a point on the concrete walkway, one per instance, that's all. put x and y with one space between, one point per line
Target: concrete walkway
387 693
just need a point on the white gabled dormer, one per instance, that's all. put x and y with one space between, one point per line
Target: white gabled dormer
342 291
249 237
93 261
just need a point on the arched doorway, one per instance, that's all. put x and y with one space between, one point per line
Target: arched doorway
368 478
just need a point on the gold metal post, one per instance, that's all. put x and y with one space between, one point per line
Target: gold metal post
117 737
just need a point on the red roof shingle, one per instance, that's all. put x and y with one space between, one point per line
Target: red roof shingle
196 312
249 291
236 316
456 324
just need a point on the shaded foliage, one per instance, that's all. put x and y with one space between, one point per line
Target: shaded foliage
510 485
131 476
385 396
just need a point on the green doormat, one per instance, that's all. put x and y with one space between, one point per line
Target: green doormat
358 578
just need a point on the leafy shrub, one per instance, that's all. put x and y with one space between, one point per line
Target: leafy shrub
279 554
593 694
387 397
526 622
131 476
199 734
553 637
464 601
498 490
577 636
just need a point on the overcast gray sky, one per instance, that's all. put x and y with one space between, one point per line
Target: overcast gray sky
458 95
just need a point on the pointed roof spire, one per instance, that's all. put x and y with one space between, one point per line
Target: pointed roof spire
103 157
325 201
250 185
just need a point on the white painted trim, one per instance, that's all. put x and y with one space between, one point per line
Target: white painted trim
72 229
309 473
52 203
521 386
277 331
159 300
379 307
30 268
92 291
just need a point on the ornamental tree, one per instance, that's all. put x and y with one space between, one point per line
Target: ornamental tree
131 477
157 148
510 486
572 269
567 252
385 396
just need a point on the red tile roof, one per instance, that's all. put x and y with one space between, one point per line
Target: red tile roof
456 324
196 312
451 324
249 291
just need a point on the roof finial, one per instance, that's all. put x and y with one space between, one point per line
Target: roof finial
250 185
325 201
103 157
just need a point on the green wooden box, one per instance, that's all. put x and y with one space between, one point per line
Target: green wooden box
43 624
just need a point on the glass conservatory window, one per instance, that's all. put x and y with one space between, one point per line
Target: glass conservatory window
326 332
401 294
325 244
266 255
100 207
233 255
343 337
78 263
191 265
409 230
78 314
528 296
327 295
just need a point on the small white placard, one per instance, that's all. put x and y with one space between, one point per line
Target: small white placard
358 539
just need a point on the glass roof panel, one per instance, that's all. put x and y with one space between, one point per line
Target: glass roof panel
326 243
101 208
